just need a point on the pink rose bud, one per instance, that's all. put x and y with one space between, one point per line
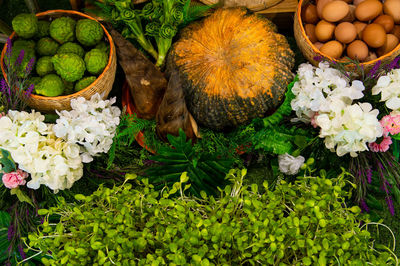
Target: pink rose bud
14 179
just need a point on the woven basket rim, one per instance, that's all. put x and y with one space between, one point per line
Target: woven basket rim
254 8
315 50
76 94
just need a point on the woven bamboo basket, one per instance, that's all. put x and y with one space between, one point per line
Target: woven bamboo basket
253 5
102 85
310 52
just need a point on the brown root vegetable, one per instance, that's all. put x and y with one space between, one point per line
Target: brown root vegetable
146 82
173 113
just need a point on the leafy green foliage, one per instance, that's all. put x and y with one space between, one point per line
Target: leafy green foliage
125 134
305 223
4 224
6 162
206 171
280 139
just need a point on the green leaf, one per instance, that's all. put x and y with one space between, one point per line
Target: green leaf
22 197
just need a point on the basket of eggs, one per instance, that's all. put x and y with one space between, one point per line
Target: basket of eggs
363 30
74 57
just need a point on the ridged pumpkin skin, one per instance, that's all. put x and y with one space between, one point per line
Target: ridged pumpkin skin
233 67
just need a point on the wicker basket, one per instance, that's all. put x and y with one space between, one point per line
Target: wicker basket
102 85
310 52
253 5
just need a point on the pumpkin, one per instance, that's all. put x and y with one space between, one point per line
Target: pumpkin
233 66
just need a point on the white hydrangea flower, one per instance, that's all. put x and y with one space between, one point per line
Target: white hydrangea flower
317 88
289 164
33 146
349 127
389 88
90 123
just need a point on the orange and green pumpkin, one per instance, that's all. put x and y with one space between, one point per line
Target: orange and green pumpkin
233 67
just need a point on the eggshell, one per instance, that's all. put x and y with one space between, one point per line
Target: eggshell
310 32
371 56
309 14
374 35
369 9
318 45
345 32
360 26
357 50
320 5
391 42
324 30
357 2
333 49
350 17
386 21
335 11
396 31
392 8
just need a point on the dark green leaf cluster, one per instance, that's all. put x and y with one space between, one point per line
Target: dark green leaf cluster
305 223
206 171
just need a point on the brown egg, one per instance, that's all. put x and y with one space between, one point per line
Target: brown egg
391 42
345 32
318 45
335 11
357 2
392 8
309 14
386 21
333 49
369 9
374 35
396 31
324 31
310 32
357 50
360 26
371 56
320 5
350 17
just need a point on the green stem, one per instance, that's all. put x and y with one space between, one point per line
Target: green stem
142 40
163 48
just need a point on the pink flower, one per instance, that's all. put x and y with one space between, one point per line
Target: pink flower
14 179
313 122
391 124
383 146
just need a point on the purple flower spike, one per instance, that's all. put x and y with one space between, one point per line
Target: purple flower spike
374 69
3 86
369 175
29 67
21 252
29 91
8 51
11 232
364 206
390 205
20 58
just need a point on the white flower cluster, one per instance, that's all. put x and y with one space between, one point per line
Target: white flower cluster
34 147
318 87
389 87
90 123
289 164
324 96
